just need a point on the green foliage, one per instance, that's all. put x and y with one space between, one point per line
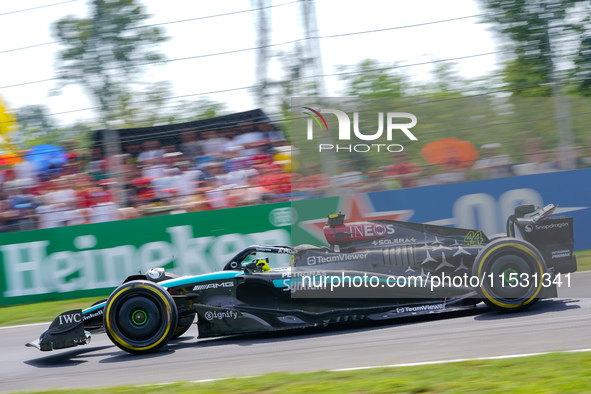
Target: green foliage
42 311
527 77
445 82
78 135
544 36
582 61
371 79
106 52
551 373
143 108
36 126
202 108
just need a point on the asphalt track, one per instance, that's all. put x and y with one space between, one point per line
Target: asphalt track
551 325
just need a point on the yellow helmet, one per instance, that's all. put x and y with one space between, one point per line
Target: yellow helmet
263 265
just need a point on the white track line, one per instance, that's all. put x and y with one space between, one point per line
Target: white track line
458 360
26 325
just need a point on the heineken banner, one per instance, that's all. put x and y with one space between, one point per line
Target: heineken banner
89 260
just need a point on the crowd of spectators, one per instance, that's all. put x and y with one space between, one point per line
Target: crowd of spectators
248 165
406 172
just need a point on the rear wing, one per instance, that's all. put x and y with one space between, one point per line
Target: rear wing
554 238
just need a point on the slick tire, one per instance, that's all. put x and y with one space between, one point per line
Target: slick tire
184 323
497 236
511 271
140 317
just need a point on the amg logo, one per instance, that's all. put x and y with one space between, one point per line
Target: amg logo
213 286
69 319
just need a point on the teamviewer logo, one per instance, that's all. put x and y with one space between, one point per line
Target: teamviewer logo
311 260
344 132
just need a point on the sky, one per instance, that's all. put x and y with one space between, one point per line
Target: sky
406 46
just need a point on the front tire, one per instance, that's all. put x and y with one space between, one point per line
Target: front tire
183 325
140 317
512 274
184 322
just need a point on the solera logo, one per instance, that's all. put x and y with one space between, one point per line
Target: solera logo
345 129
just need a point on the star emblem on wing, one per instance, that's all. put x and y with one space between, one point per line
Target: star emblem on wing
357 208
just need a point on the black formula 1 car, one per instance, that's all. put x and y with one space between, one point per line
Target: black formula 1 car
372 270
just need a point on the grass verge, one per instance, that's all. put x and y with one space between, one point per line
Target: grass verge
41 311
553 373
583 260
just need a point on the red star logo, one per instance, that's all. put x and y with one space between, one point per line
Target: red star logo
357 208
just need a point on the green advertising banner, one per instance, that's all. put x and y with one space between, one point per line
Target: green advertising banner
91 260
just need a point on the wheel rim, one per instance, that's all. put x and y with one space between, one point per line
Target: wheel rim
508 279
139 318
511 288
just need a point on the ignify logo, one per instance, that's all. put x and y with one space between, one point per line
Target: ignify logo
344 130
209 315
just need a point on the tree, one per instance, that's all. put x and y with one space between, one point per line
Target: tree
107 51
446 81
582 71
540 34
202 108
145 107
371 79
527 76
35 126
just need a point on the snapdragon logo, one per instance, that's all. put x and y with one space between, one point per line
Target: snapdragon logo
344 132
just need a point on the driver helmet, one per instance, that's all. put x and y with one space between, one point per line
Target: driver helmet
263 265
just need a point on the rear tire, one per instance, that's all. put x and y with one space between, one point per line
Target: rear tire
496 236
140 317
512 273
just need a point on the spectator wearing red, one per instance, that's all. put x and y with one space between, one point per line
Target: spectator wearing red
277 184
144 193
403 170
104 208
